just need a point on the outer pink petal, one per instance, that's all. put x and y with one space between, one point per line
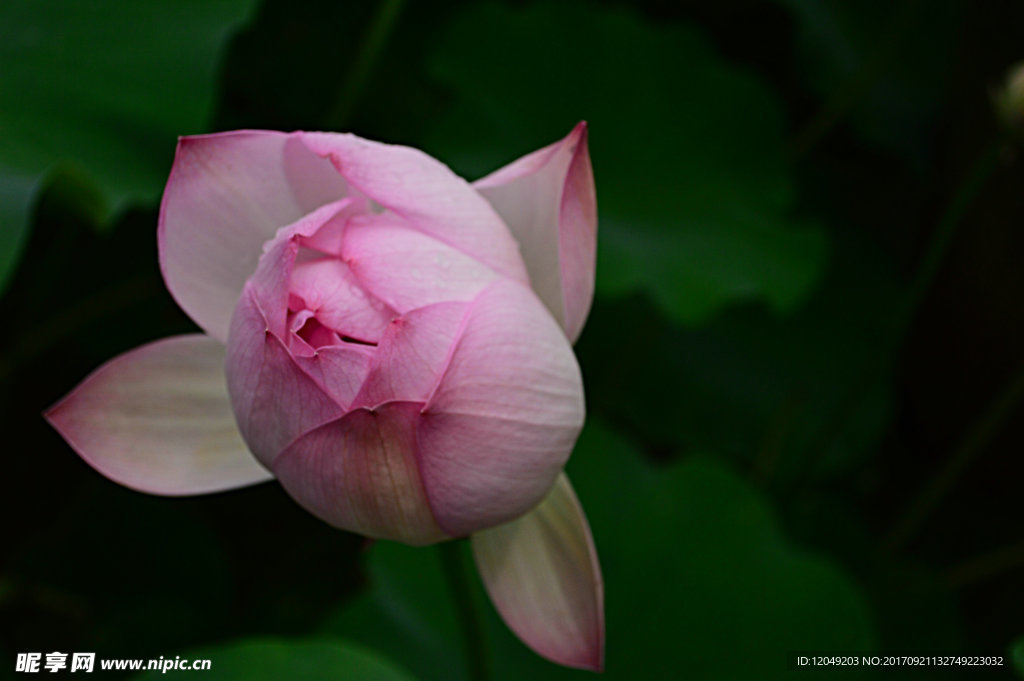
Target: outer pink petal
408 269
543 576
274 399
547 199
157 419
423 191
412 355
227 194
504 417
359 473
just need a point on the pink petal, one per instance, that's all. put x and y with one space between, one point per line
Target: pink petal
319 283
424 192
504 417
276 400
412 355
339 370
157 419
543 576
408 269
227 194
359 473
547 199
328 288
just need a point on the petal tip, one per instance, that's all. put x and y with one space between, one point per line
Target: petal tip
595 661
51 416
542 574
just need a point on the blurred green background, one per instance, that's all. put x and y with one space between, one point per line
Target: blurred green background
804 363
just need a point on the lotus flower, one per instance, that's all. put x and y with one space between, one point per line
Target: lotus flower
389 342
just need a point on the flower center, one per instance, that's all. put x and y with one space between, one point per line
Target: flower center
327 305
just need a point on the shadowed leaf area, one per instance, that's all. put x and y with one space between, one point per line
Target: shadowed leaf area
107 87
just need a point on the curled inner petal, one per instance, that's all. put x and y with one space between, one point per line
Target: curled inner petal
327 290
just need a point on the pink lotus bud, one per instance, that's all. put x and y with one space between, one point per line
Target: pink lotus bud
389 342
